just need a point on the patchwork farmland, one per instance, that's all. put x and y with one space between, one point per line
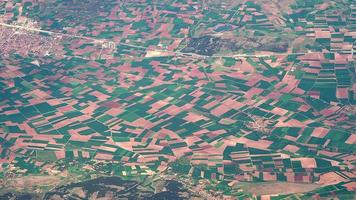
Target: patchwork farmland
222 99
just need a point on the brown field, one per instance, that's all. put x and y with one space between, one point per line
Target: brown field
266 188
29 182
37 183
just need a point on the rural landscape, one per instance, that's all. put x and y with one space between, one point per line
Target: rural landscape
177 99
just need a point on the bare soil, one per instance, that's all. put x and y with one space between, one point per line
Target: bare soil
266 188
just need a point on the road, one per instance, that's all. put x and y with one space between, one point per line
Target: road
145 48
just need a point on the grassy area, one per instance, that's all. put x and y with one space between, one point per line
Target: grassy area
46 156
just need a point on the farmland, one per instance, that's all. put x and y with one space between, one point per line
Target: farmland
179 99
